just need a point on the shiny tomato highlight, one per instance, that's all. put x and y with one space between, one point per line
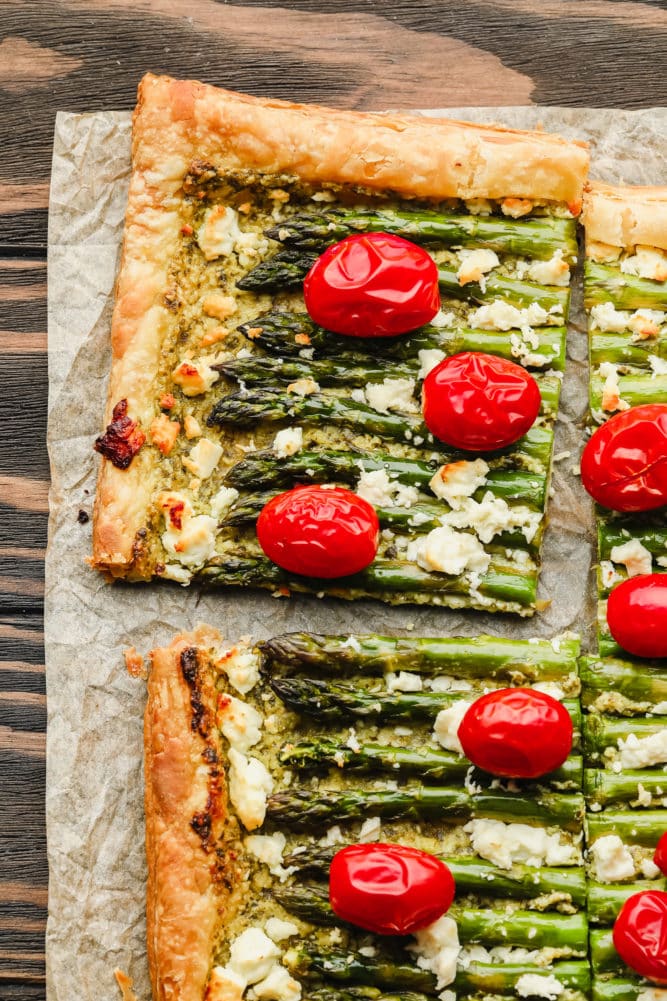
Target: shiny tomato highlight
624 464
478 402
640 934
518 733
389 889
637 615
372 285
660 854
319 531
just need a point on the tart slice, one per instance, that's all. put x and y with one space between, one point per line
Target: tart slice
225 390
263 762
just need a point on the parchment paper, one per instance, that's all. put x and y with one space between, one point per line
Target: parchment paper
94 744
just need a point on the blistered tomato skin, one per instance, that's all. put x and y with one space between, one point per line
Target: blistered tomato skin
640 934
389 889
372 285
517 733
624 464
637 615
660 854
478 402
319 531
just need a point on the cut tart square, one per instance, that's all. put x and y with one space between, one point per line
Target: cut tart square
225 392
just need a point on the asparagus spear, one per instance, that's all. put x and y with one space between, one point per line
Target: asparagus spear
617 989
396 972
284 270
634 827
650 531
502 978
533 238
425 762
304 809
604 958
600 732
635 389
605 787
639 683
510 586
620 350
606 899
603 283
475 876
362 994
502 660
286 334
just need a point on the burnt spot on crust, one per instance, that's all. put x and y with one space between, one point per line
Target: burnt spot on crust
201 824
122 439
200 173
200 721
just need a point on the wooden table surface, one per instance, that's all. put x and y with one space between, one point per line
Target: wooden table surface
82 55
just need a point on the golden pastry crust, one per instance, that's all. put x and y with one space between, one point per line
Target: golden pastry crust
190 874
177 122
625 216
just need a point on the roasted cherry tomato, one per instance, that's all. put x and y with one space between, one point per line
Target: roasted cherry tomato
389 889
479 402
518 733
624 465
640 934
319 531
372 285
637 615
660 854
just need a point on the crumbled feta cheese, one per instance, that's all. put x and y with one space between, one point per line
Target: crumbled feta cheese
189 538
225 985
475 264
445 551
303 387
279 930
499 315
609 574
429 358
658 365
219 306
219 232
241 665
203 458
239 723
644 797
278 985
479 206
249 785
652 994
646 262
555 271
634 556
613 861
352 741
649 870
539 985
222 501
358 396
392 394
643 752
269 848
447 723
456 480
605 317
646 323
376 487
252 955
194 377
442 319
404 681
550 688
491 516
444 683
504 844
611 391
288 442
173 571
437 949
370 830
516 207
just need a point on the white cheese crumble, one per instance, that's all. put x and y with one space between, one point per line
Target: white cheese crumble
352 741
555 271
249 786
549 688
203 458
649 869
194 377
493 515
504 844
646 323
539 985
429 358
221 502
225 985
378 489
278 985
392 394
611 391
605 317
644 797
447 723
180 575
475 264
445 551
658 365
499 315
442 319
219 232
457 480
608 573
643 752
189 538
646 262
612 860
239 723
652 994
437 949
634 556
370 830
269 848
288 442
252 955
279 930
404 681
241 665
303 387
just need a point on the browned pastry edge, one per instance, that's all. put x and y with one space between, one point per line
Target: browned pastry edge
625 216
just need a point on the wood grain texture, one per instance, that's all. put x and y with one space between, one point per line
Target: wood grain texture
83 55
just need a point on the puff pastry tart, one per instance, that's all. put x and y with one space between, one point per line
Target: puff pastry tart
225 391
257 774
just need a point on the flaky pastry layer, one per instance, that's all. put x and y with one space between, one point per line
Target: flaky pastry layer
625 216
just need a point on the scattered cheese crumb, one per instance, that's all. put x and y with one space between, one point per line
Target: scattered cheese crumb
288 442
634 556
613 861
164 433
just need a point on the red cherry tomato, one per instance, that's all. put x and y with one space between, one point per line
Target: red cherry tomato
660 854
319 531
518 733
637 615
624 464
640 934
389 889
479 402
372 285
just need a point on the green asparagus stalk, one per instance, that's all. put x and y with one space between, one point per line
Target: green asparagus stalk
606 899
606 787
644 685
536 238
287 334
284 270
362 994
604 958
601 732
501 660
426 763
603 283
617 989
509 586
478 877
634 827
619 349
651 531
635 389
262 469
502 978
397 973
303 809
